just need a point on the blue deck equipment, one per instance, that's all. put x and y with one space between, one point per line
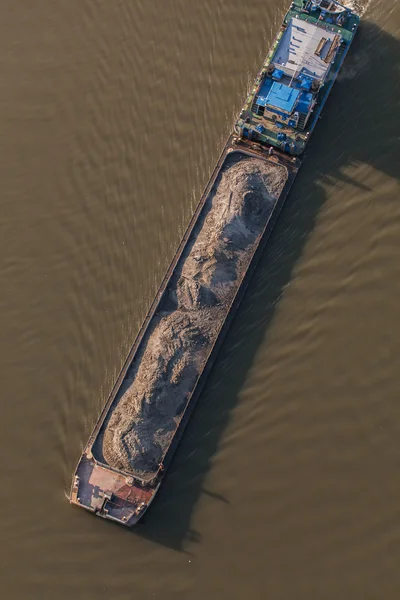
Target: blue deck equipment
263 93
282 97
305 82
277 74
305 101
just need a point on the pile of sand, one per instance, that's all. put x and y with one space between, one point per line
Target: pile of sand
158 386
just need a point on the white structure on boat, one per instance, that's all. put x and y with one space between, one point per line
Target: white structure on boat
299 67
306 49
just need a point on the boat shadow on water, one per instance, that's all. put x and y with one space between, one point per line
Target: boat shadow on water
358 126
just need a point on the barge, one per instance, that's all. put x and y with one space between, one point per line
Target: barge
135 437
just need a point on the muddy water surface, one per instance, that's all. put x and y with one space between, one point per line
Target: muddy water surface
286 485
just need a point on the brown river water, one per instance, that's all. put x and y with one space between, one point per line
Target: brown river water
287 483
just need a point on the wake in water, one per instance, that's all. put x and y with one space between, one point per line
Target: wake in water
359 6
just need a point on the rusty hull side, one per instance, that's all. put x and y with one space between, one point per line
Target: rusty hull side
108 493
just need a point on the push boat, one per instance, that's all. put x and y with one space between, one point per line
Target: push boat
274 126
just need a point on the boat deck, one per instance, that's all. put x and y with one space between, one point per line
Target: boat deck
264 129
313 17
109 493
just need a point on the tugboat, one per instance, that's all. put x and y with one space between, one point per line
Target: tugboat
291 89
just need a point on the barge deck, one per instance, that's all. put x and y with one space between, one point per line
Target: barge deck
123 495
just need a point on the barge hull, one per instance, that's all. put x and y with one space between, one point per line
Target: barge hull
118 495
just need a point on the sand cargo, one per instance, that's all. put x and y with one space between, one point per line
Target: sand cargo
137 433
